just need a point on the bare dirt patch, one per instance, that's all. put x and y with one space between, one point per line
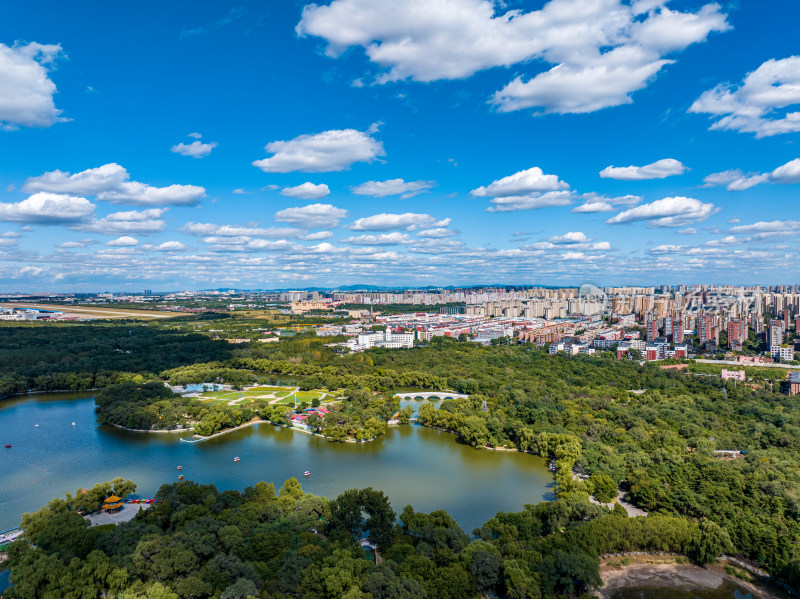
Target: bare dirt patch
664 572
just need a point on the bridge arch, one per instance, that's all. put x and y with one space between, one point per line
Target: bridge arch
432 395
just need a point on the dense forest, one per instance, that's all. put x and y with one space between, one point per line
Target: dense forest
74 357
650 431
144 406
198 543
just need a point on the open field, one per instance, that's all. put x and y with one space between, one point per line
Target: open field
95 312
745 365
281 395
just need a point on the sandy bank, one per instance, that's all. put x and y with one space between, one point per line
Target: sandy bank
662 571
668 575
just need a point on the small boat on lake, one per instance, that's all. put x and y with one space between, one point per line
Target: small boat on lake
307 473
180 477
236 459
180 467
8 445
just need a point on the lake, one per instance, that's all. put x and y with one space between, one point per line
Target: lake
413 465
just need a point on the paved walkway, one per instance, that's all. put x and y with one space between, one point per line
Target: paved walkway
374 547
128 511
632 510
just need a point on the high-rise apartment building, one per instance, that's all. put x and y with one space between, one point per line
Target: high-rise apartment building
737 333
707 329
677 329
775 333
653 328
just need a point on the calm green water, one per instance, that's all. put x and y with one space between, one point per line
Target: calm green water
411 464
727 590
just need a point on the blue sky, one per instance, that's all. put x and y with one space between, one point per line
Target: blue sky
398 142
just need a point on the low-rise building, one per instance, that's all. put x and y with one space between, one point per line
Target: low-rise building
570 348
754 360
733 375
626 320
783 352
792 384
680 351
329 331
386 339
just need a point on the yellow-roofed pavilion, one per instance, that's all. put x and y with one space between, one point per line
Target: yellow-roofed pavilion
112 503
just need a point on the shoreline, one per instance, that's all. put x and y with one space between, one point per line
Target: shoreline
198 438
36 392
665 571
152 430
259 421
487 447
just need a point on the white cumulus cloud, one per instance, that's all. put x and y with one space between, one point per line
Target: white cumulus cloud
736 180
193 228
667 212
603 50
759 103
111 183
47 209
606 81
196 149
317 236
409 221
307 191
312 216
131 221
123 241
89 182
392 187
774 226
334 150
395 238
660 169
593 202
26 91
786 174
571 237
139 194
75 244
170 246
533 201
437 233
521 183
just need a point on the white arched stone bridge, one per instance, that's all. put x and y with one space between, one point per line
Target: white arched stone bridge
431 395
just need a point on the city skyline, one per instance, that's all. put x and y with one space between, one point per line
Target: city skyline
398 144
